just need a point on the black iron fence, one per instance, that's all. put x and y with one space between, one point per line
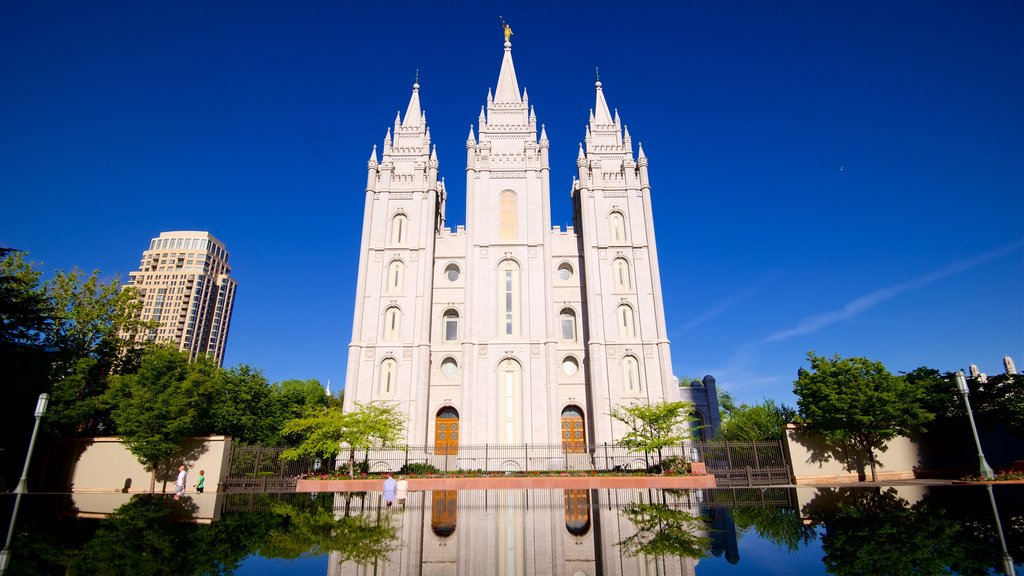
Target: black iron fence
261 468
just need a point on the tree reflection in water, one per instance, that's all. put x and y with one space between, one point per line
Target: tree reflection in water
156 535
664 531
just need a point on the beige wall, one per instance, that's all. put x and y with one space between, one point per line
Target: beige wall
106 465
814 464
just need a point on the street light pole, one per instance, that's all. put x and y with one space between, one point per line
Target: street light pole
961 384
5 554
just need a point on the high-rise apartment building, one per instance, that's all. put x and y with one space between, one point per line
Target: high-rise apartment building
187 288
508 330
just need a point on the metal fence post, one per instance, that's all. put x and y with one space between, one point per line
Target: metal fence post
526 460
487 467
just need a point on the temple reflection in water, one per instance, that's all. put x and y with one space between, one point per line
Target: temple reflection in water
519 532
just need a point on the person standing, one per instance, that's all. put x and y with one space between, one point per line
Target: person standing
403 490
179 484
202 481
390 486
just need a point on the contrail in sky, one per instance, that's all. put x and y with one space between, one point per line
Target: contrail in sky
858 305
723 305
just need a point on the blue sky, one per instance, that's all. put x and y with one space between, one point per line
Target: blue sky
844 177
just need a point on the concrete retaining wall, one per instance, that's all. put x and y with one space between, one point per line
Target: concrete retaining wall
106 465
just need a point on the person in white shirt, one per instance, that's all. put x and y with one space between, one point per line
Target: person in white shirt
179 484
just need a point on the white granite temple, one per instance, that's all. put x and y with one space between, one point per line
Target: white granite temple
509 330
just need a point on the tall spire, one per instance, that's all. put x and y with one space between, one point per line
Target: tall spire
413 114
508 86
601 113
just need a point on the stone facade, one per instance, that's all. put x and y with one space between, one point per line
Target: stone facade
509 330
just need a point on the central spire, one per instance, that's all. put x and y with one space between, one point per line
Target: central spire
508 87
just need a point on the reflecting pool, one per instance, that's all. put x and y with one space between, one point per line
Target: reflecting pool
877 530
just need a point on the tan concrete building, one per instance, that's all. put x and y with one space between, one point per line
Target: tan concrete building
508 330
186 287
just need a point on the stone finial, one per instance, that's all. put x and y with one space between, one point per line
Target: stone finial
1008 364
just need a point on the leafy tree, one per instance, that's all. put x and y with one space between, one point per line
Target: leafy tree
764 421
243 405
653 427
356 538
857 403
24 319
782 526
726 405
324 431
158 407
664 531
877 532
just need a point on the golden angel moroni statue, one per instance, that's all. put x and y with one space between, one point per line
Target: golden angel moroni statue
508 30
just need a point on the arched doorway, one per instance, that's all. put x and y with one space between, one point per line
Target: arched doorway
446 431
574 437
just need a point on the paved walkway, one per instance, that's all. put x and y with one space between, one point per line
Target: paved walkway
514 483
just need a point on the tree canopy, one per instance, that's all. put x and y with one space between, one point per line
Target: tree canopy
760 422
323 432
652 427
857 403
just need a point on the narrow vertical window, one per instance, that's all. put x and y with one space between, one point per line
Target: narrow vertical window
388 376
508 298
618 227
620 268
568 321
396 271
392 323
399 229
630 374
625 315
451 325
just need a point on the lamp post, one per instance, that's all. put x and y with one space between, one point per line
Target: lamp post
1008 568
5 554
961 384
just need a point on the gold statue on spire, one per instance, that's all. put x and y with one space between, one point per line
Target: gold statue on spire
506 28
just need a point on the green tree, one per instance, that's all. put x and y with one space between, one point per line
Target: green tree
856 403
664 531
323 432
653 427
25 313
877 532
244 406
163 403
311 532
761 422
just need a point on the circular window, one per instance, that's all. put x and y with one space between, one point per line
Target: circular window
565 271
449 367
452 272
570 366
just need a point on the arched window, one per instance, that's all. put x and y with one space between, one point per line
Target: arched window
396 276
508 298
630 375
451 272
617 227
507 207
451 325
565 272
620 268
392 324
567 319
388 376
399 229
625 318
509 407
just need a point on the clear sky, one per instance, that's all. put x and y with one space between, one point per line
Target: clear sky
843 177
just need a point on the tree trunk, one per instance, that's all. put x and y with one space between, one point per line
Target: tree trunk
871 460
152 480
352 462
